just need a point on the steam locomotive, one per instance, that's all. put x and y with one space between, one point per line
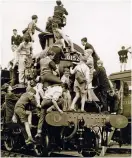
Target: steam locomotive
79 131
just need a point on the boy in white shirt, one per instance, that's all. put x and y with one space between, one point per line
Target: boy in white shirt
52 97
81 83
24 58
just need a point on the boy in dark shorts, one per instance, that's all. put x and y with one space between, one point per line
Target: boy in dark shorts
22 113
123 57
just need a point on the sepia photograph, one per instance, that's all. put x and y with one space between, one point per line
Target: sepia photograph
65 73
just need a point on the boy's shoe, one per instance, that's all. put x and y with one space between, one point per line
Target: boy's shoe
82 111
38 135
72 109
29 141
79 110
113 113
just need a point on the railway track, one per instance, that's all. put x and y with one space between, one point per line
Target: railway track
5 153
115 151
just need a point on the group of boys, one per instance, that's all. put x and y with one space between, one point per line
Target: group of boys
53 90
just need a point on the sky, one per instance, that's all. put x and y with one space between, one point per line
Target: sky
106 24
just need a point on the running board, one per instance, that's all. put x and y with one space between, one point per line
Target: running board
54 118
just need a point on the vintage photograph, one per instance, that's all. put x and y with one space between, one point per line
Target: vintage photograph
65 78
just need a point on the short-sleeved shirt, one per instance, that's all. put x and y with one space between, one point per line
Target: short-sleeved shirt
53 93
24 100
82 68
25 49
123 55
32 27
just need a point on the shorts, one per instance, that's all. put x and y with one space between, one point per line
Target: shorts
49 79
123 60
80 88
21 113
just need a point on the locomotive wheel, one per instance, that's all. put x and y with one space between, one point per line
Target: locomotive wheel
96 142
93 150
38 150
9 144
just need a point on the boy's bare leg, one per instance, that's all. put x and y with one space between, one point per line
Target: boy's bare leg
121 65
83 99
67 39
27 127
63 43
125 66
29 113
74 101
50 108
89 95
69 100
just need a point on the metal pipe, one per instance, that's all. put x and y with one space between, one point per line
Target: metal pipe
73 132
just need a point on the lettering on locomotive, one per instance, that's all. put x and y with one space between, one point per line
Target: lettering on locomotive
71 58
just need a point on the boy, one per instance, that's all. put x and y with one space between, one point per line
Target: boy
88 46
25 58
47 66
52 97
10 101
81 83
59 12
20 111
30 30
15 40
102 84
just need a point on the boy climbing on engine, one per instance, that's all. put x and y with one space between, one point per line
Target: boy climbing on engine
81 83
53 96
57 23
59 12
23 115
